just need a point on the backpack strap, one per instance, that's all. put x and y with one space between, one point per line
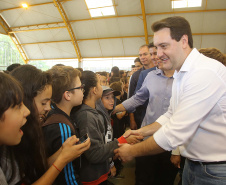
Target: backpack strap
58 118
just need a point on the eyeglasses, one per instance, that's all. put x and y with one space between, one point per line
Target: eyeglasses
81 87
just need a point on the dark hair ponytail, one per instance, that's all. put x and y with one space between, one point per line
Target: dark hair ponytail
88 78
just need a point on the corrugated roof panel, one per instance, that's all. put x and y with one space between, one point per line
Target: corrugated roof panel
51 50
214 41
76 10
112 47
214 22
32 15
216 4
90 48
128 7
43 35
132 45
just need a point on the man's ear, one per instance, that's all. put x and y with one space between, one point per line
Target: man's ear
67 95
184 40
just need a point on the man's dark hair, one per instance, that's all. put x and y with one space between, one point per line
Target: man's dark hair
178 26
151 45
137 60
143 46
12 67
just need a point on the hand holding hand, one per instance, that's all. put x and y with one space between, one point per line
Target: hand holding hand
131 132
133 139
123 152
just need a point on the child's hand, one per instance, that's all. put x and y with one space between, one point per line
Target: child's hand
133 139
113 171
71 150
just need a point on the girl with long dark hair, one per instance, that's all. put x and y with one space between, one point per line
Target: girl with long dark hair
26 163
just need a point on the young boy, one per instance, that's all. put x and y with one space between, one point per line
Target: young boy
67 93
104 108
118 122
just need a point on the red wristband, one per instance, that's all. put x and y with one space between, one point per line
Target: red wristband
122 140
56 167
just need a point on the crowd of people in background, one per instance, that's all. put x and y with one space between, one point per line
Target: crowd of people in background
65 125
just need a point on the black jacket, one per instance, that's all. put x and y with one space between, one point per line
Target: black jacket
55 134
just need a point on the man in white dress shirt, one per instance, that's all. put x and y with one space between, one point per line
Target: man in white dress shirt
196 118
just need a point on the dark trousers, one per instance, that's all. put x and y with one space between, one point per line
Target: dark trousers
155 170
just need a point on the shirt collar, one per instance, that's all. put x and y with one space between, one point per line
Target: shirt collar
159 72
189 60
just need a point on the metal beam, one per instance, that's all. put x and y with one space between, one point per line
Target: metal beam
14 39
144 21
52 24
122 37
84 58
190 11
39 29
69 28
46 42
18 7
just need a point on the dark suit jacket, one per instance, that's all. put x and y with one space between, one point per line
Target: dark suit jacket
142 76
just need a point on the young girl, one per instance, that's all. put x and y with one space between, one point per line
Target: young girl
27 160
95 162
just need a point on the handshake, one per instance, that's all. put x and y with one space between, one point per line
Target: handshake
123 152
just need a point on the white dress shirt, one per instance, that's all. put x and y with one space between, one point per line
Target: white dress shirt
196 118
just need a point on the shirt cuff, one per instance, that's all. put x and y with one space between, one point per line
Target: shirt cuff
161 140
128 107
162 120
176 151
122 140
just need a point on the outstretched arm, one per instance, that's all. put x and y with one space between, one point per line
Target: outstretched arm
148 130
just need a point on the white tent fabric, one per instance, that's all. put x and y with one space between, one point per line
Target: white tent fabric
42 34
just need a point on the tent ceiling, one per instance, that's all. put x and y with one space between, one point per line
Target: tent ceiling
64 29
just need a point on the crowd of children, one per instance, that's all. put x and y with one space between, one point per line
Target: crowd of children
42 116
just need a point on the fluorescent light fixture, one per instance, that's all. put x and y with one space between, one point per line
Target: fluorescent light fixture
186 3
25 5
99 8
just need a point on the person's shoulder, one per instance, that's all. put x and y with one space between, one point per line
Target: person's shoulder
146 71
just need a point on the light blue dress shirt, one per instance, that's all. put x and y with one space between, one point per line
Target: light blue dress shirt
157 87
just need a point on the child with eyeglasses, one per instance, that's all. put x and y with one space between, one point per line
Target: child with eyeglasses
67 93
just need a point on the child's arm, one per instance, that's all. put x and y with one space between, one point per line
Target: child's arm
120 115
